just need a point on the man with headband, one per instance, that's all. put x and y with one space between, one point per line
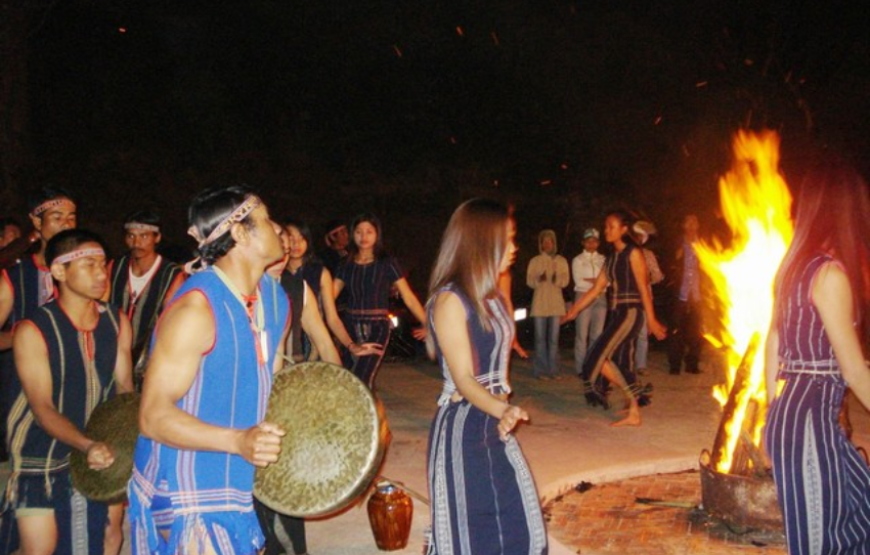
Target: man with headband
207 385
336 239
142 281
27 284
72 354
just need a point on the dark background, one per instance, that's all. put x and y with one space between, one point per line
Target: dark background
564 108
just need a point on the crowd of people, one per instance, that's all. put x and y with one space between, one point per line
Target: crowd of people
202 342
86 328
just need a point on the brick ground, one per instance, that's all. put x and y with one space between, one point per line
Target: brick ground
608 519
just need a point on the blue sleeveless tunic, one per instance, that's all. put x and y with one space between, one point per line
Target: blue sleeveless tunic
367 290
32 287
193 493
483 496
82 373
625 320
623 286
823 483
82 364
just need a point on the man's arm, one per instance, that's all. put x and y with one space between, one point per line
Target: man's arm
124 360
185 333
34 371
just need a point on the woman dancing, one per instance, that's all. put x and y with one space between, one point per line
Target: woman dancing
813 349
629 299
483 496
369 274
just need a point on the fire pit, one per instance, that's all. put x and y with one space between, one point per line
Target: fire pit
741 502
736 484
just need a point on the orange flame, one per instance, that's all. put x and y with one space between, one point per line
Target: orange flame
756 204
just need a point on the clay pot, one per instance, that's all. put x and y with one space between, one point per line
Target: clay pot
390 511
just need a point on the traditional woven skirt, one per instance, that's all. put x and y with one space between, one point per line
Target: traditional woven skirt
616 344
822 481
484 500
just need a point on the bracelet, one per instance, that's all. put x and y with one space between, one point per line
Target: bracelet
348 345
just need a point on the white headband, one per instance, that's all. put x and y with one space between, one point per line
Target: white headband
236 216
75 255
49 204
141 227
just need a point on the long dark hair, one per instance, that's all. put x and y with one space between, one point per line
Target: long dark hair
367 217
471 252
833 216
305 231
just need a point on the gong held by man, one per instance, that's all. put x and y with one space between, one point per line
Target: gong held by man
215 349
203 422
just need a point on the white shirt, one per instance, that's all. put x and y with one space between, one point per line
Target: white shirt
138 283
586 265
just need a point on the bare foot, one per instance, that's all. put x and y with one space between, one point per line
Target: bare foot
633 419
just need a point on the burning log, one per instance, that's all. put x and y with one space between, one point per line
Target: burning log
738 389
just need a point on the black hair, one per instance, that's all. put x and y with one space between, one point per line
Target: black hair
627 219
332 225
145 216
208 209
305 231
44 194
6 222
69 240
352 247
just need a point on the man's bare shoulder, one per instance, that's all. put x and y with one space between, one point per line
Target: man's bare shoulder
187 314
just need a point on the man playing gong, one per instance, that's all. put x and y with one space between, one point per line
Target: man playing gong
207 385
71 355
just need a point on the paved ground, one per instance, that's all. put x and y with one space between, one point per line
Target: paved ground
566 443
611 518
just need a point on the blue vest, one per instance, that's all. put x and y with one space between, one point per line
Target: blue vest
24 277
231 389
80 382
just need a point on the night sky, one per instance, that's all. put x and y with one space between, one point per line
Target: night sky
565 109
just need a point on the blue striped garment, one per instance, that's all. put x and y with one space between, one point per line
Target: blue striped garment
203 495
823 483
625 320
483 495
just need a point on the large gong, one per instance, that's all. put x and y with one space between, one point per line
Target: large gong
334 443
114 423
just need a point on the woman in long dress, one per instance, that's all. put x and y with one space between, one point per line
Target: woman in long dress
483 496
368 275
629 304
813 354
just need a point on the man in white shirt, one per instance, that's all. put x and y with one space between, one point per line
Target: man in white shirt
590 322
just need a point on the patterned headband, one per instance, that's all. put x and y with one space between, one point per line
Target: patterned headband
139 226
75 255
49 204
236 216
